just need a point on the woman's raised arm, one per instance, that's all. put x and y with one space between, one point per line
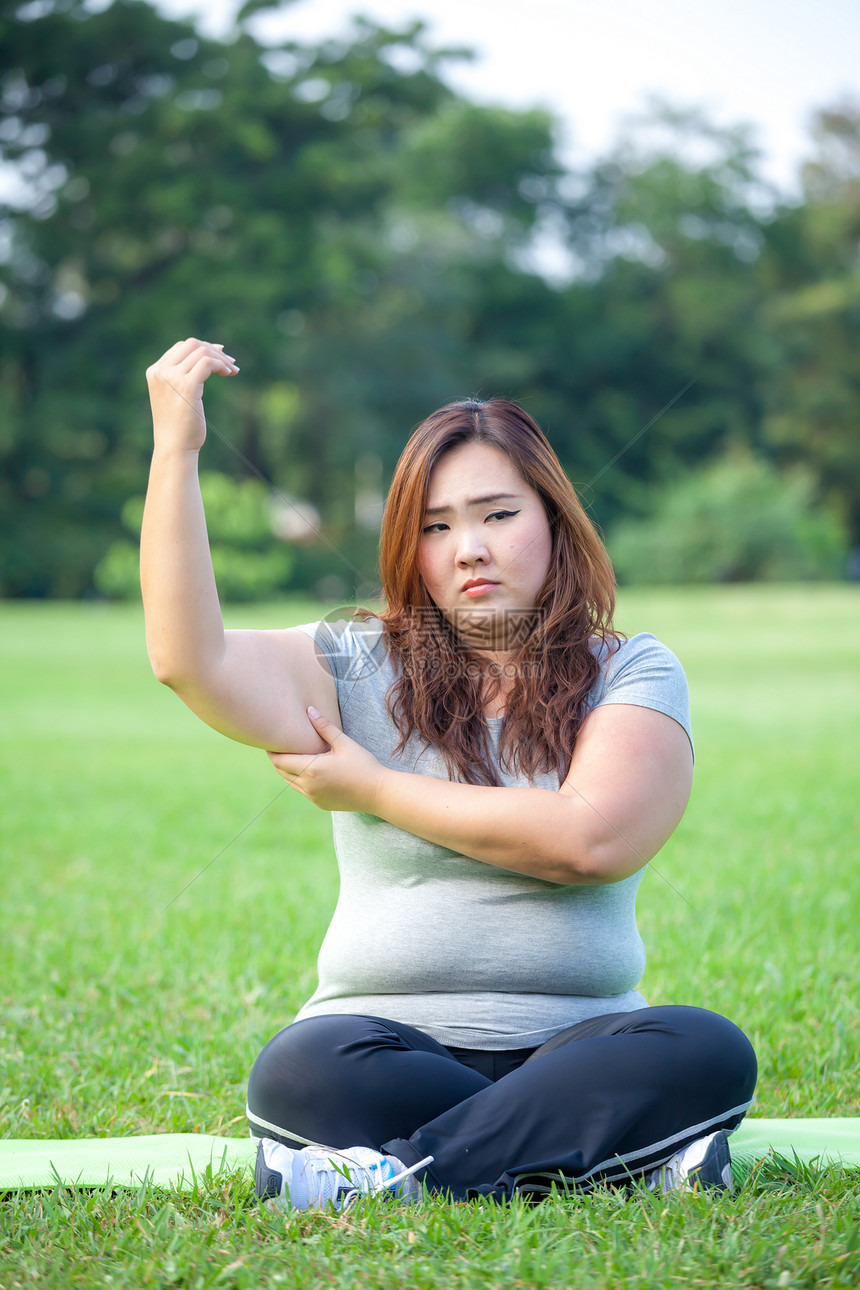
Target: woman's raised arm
252 686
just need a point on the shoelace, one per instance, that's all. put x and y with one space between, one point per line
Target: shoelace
369 1181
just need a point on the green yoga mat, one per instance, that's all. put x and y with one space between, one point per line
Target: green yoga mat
177 1159
165 1159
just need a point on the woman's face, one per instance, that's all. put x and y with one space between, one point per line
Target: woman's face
485 545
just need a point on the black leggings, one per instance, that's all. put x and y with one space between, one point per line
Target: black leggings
606 1100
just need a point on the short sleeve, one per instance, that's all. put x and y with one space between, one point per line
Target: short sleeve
645 673
354 648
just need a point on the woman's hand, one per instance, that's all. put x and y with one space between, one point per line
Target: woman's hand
346 778
176 392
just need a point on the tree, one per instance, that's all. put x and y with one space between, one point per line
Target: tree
360 236
736 518
665 310
813 318
317 203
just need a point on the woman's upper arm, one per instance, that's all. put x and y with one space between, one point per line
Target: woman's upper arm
260 692
632 768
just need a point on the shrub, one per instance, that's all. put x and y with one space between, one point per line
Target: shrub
249 562
734 519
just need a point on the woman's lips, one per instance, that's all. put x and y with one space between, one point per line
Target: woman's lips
479 588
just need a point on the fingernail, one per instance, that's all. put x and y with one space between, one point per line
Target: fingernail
313 712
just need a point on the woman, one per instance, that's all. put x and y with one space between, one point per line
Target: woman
502 766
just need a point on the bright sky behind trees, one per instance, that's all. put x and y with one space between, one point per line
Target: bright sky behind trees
769 62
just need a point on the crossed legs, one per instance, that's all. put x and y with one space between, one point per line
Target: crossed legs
610 1098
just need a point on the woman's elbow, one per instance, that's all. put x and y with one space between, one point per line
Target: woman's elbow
171 669
163 667
607 861
161 671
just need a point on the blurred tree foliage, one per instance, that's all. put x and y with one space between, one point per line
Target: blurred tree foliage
812 390
367 243
248 563
734 519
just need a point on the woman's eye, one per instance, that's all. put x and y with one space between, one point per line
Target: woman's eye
439 526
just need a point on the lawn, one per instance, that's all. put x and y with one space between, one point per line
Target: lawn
164 895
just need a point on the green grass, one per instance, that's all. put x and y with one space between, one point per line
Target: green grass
143 966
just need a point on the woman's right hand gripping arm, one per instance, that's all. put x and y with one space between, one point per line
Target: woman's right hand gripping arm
253 686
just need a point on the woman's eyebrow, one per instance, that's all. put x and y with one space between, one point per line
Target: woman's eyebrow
475 501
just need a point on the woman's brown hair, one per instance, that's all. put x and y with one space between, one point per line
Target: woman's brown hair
442 691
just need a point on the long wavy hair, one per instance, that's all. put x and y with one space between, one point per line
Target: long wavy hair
444 685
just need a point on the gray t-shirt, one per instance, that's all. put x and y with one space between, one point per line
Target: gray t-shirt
473 955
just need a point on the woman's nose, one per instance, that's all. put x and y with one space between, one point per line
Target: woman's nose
472 548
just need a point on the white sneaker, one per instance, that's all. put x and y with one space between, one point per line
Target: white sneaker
705 1164
316 1176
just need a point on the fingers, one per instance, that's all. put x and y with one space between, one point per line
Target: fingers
177 357
203 349
185 357
292 763
176 384
205 366
181 350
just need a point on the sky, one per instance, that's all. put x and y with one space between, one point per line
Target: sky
767 62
